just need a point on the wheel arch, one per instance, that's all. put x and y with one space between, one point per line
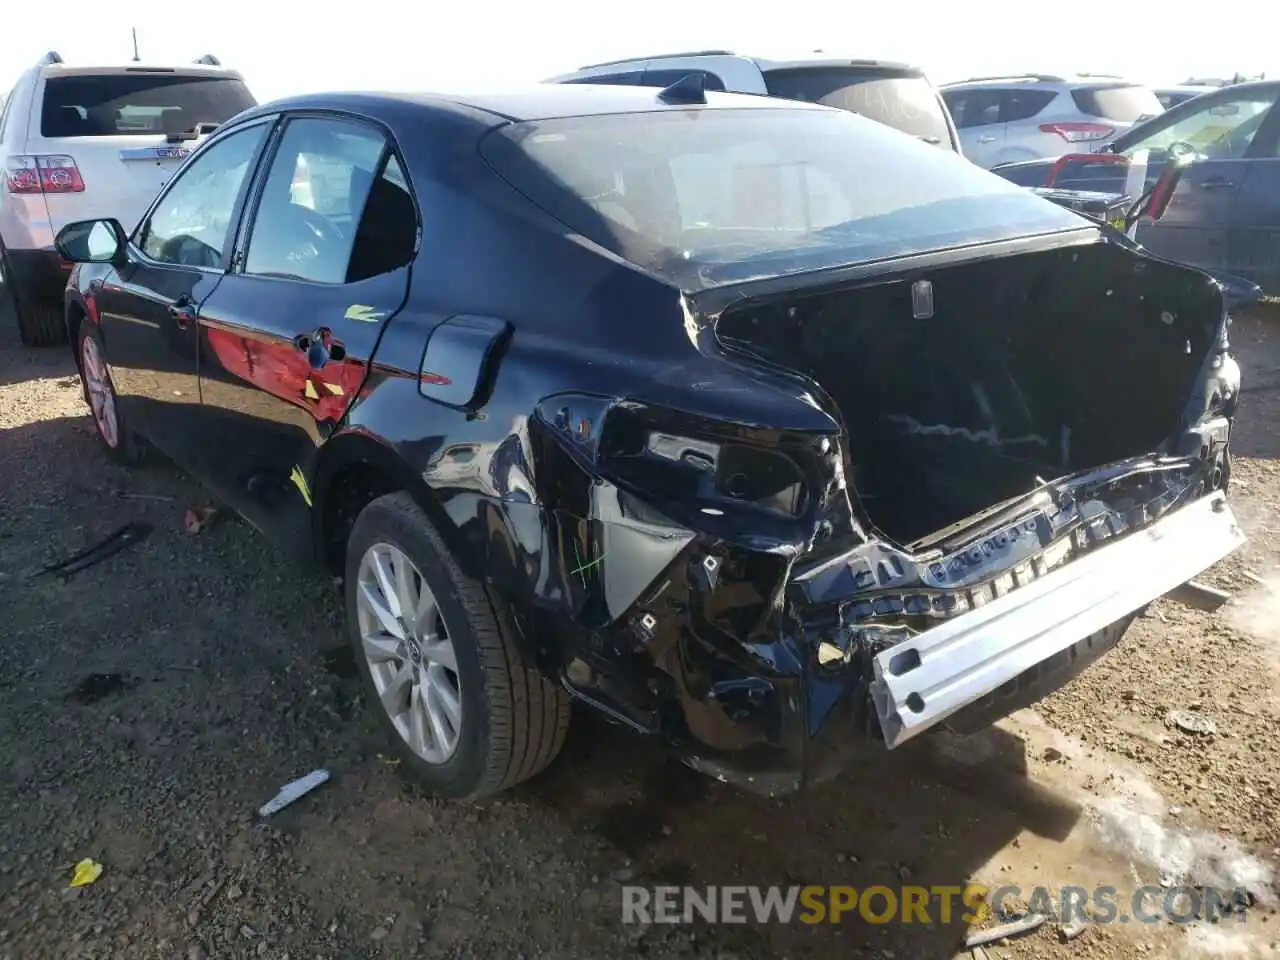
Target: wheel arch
356 467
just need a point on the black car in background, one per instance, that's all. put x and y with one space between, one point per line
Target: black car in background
753 424
1225 214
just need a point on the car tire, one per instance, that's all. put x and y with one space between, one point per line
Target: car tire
120 443
40 324
513 718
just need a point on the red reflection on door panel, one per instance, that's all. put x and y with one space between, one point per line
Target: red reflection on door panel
283 370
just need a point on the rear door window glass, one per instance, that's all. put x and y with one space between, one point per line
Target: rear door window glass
974 108
629 79
664 78
904 100
388 232
1024 104
314 202
1220 130
136 104
1122 102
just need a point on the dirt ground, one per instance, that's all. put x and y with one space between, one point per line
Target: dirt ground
150 704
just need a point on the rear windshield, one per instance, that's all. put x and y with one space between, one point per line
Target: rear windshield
1124 103
134 104
904 101
712 196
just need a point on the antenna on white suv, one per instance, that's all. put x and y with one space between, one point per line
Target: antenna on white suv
136 58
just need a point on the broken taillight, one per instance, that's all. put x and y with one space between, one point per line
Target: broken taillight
672 455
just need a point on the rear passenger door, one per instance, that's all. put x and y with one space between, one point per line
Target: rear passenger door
976 114
320 265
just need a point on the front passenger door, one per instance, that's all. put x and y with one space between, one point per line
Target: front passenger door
320 267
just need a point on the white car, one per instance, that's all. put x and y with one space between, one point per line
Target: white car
895 94
1033 116
86 142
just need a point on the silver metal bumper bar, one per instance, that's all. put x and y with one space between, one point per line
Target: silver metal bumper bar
957 662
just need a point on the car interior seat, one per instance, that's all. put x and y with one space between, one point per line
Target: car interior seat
73 123
386 228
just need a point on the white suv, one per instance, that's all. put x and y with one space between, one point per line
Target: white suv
1030 117
80 143
895 94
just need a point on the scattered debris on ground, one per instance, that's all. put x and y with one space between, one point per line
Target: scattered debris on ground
293 791
198 519
126 536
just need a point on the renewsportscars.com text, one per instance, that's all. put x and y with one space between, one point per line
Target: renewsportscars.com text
970 904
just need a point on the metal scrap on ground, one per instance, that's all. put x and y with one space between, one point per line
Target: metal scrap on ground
125 536
1015 928
1188 721
293 791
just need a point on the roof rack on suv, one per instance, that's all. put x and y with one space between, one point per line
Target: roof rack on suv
1037 77
662 56
50 59
209 60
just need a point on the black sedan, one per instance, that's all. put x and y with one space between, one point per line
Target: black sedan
755 425
1224 215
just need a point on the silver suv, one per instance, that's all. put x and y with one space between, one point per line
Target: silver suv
895 94
1032 116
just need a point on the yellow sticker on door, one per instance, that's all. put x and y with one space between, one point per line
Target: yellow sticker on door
363 313
300 482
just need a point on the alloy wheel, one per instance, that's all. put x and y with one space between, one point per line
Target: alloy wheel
102 398
410 655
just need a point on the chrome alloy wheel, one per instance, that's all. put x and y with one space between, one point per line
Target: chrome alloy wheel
411 658
102 398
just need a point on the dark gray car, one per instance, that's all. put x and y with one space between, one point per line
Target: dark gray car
1225 212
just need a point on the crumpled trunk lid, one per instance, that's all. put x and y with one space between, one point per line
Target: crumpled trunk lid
1036 447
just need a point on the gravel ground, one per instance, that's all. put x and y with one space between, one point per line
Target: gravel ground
149 705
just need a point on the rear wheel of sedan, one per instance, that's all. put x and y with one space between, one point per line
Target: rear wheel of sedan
100 393
466 715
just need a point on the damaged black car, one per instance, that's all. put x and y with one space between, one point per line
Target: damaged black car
757 426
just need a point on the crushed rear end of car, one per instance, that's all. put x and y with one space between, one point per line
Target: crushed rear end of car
1028 450
924 464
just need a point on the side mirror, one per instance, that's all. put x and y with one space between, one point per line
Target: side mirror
92 241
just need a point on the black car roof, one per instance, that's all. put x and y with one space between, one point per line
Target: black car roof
540 102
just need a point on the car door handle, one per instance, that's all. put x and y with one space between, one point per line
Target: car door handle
988 139
320 346
1217 183
183 312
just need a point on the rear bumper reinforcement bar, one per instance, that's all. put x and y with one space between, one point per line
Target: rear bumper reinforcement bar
974 654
